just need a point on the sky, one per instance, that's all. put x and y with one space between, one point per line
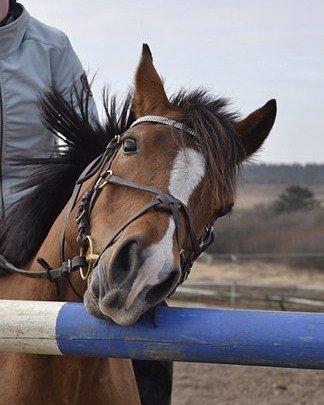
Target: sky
249 51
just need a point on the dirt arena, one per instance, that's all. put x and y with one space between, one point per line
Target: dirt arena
207 384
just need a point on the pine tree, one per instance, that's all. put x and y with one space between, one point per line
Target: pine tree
295 198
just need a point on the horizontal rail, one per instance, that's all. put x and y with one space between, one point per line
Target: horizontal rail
278 339
246 284
241 294
194 293
211 257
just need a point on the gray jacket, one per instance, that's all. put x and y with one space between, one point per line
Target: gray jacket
33 58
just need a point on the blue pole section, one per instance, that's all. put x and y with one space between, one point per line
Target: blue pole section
262 338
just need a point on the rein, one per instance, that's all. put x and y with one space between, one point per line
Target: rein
160 201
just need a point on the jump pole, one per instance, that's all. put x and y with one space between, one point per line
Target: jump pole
260 338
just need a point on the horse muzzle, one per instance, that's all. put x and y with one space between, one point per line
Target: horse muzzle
130 281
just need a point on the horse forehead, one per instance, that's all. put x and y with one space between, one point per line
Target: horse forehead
187 171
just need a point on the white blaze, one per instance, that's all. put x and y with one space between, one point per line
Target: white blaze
187 172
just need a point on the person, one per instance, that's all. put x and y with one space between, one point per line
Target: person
33 58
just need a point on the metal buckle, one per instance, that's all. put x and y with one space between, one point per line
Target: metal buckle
102 181
207 238
67 269
91 258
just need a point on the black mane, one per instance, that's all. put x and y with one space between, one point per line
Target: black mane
83 139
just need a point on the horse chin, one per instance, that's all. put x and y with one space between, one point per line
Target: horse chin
122 316
104 303
101 309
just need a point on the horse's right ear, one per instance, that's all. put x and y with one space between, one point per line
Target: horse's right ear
149 95
254 129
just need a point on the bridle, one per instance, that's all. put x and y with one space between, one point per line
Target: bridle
161 201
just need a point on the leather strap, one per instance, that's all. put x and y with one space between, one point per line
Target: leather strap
132 184
163 201
71 204
119 230
52 274
87 173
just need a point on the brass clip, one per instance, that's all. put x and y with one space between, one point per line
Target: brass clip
91 258
102 182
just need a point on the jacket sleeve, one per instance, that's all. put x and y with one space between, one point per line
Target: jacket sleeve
68 72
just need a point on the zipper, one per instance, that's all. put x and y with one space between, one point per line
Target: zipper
1 144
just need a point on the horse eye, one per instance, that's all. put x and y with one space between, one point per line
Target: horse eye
129 145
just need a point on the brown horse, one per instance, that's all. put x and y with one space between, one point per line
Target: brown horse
197 164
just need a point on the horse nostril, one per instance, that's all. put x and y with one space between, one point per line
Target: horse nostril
155 294
125 261
94 283
110 300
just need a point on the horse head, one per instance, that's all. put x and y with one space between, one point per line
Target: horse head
195 164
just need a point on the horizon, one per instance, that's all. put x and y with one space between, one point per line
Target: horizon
284 164
248 52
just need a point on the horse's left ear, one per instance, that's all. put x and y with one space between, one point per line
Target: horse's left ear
149 95
254 129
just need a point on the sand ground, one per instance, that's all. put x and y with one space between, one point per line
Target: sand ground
205 384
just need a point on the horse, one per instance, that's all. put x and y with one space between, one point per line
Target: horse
156 174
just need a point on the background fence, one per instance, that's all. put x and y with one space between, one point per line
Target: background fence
251 295
212 258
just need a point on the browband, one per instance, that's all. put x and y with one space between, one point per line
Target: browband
166 121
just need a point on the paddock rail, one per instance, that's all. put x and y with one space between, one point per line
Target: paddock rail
262 338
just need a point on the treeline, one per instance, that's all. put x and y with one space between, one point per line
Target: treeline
296 174
260 231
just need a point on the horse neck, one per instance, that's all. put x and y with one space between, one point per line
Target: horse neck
50 250
113 379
